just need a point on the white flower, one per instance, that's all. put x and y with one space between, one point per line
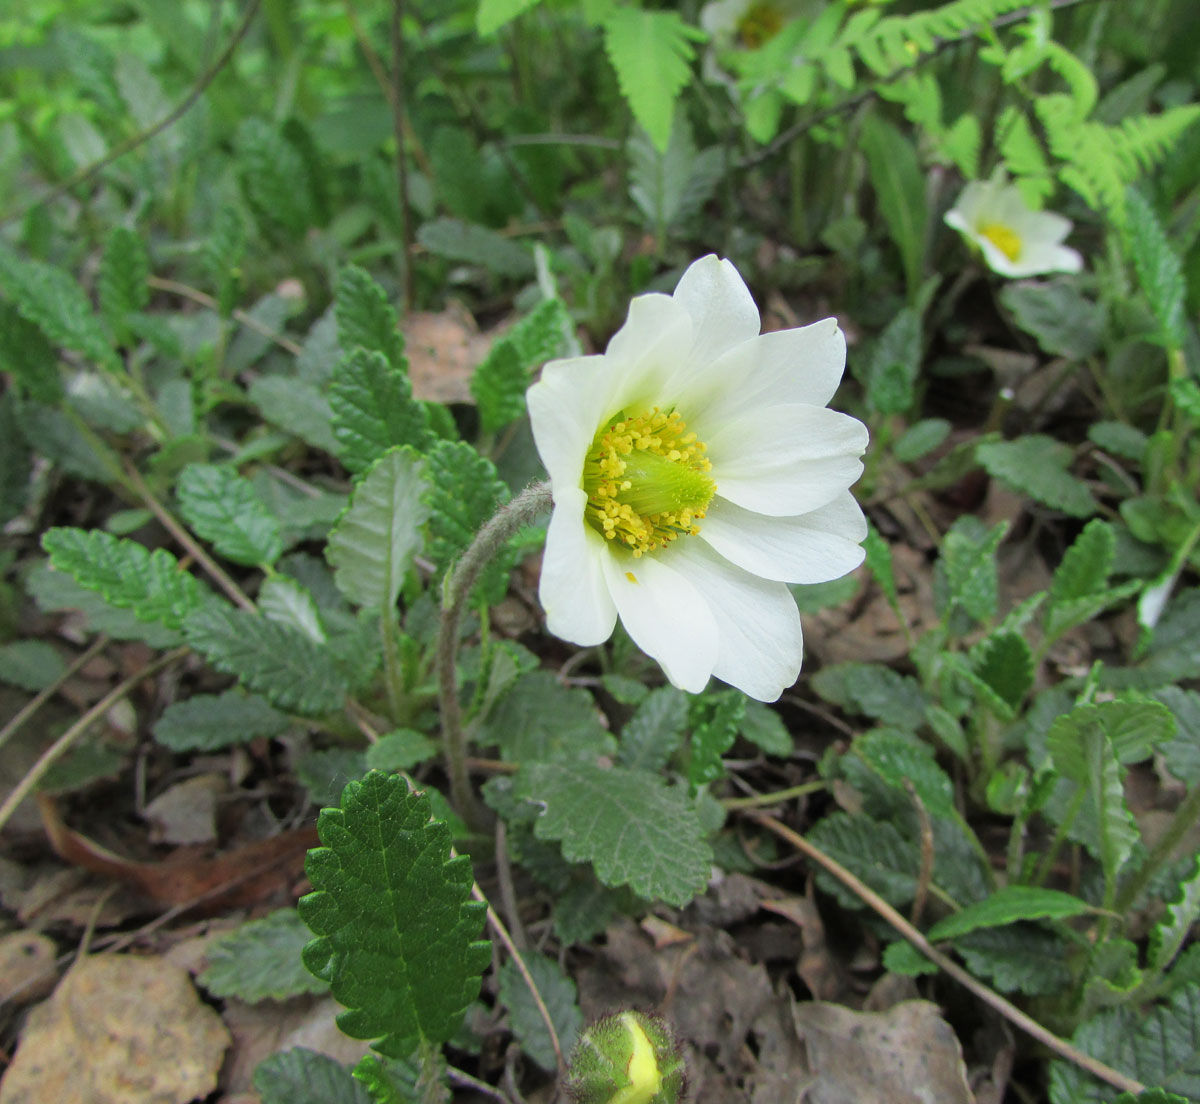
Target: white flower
695 472
1015 239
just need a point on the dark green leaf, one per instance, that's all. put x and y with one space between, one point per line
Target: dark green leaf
464 492
1157 1046
500 381
209 722
716 720
280 662
366 319
300 1076
900 192
124 270
630 825
373 409
558 994
127 574
54 302
223 508
397 935
1037 465
464 241
655 731
260 960
1159 269
541 720
764 727
1057 315
873 690
1006 906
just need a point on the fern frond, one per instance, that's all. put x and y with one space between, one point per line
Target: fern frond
897 41
1142 142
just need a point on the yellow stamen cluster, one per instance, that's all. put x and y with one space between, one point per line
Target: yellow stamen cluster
647 482
1004 238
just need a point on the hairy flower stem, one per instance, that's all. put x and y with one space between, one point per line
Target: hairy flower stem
456 591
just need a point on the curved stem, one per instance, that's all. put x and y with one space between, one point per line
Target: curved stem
456 592
1008 1010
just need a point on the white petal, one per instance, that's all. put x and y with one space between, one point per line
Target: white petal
666 616
787 460
997 260
812 548
645 352
1042 257
721 308
573 590
760 642
801 365
564 411
575 397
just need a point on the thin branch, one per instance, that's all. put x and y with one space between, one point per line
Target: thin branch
60 746
187 541
131 143
502 932
1008 1010
34 704
248 320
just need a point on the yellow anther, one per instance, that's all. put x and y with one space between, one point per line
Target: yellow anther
647 481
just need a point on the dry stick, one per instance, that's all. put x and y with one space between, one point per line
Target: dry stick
131 143
925 876
186 539
1009 1011
34 704
499 928
63 743
186 291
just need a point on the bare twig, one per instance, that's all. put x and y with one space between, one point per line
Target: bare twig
187 541
34 704
60 746
1006 1009
185 291
925 875
502 933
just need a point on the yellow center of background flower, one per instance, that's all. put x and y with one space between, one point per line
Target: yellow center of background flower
647 481
1005 239
760 24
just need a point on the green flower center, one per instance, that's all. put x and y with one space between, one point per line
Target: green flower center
647 480
1004 238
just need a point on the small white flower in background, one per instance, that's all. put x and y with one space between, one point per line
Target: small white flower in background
1015 239
695 473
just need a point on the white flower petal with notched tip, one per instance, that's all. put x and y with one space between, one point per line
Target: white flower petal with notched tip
1014 239
695 472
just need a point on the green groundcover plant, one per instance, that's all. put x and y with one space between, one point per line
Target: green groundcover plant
219 437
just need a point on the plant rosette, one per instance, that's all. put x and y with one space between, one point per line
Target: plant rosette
695 472
1015 240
